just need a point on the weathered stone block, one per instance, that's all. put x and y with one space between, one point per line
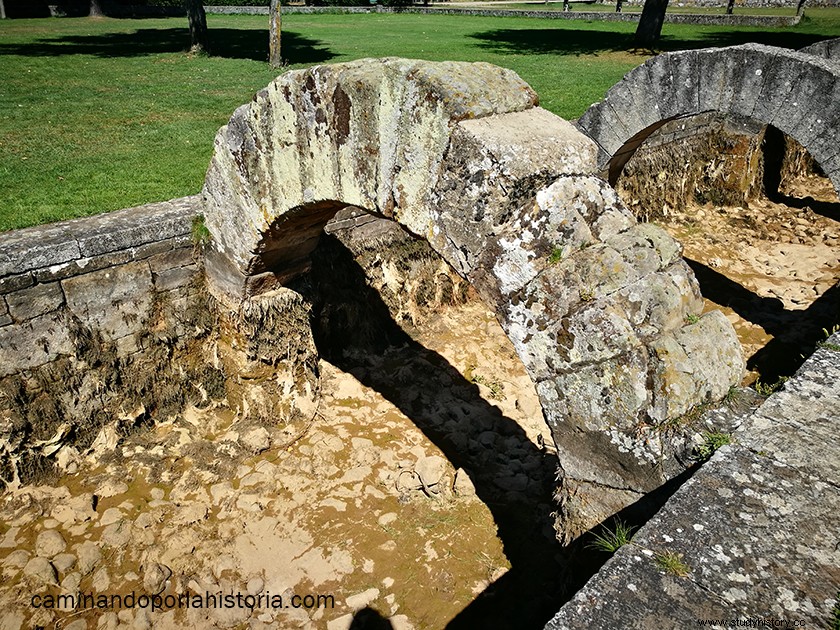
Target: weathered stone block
731 78
133 227
34 301
723 525
169 279
34 342
33 248
647 247
152 249
798 425
662 301
172 259
81 266
114 301
16 282
696 363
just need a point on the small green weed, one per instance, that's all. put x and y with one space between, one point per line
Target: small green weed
496 388
692 319
611 540
712 441
200 234
672 563
555 256
834 623
766 389
828 333
587 294
732 396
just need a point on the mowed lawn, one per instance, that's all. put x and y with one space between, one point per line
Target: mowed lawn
102 114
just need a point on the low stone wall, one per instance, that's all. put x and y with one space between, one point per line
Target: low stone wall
102 322
102 269
753 534
771 21
739 4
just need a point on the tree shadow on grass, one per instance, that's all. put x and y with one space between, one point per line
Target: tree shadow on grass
224 42
564 41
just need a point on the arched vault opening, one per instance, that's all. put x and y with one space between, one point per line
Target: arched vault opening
700 142
602 311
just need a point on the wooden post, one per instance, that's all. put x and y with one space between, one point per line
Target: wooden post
274 24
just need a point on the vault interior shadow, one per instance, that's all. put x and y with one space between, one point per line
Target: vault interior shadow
796 332
773 150
513 477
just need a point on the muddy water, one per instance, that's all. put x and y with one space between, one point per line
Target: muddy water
772 267
360 503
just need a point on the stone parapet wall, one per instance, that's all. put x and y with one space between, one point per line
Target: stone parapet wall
103 327
88 267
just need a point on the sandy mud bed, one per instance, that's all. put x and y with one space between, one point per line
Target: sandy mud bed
359 505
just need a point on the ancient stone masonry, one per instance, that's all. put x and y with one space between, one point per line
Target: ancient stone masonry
828 49
602 311
96 316
796 92
754 532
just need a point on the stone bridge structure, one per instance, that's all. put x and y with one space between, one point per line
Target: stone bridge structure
796 92
603 312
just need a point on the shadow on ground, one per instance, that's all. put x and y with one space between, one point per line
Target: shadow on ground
355 331
564 41
796 332
224 42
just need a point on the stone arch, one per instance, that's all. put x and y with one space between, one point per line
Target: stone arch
827 49
602 311
796 92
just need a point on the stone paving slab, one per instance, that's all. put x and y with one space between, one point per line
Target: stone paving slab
756 528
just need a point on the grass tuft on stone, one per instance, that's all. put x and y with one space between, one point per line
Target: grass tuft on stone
611 540
672 563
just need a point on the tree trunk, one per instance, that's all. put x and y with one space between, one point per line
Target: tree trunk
730 5
565 5
800 8
650 24
274 23
95 9
618 4
2 11
198 26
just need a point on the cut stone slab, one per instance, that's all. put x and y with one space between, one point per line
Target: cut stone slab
756 526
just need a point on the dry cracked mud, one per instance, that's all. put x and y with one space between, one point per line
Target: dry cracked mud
357 503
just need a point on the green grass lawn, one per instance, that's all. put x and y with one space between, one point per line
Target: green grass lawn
97 115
